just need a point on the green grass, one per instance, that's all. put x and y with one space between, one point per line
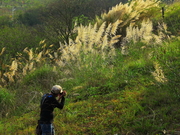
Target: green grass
120 98
137 93
6 101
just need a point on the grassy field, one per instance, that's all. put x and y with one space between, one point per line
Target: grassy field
135 95
132 89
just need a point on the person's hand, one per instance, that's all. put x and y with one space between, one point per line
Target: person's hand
64 93
61 95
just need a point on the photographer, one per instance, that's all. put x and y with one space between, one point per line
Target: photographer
48 103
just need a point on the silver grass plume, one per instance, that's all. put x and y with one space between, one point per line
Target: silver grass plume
144 33
91 40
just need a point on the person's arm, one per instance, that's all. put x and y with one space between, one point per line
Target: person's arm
60 104
57 104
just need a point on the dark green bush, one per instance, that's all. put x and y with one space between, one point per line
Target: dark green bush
5 21
16 39
172 18
30 18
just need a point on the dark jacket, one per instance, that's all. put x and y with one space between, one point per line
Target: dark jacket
48 103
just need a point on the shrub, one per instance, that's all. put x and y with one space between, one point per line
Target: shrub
30 17
15 39
5 21
172 18
43 76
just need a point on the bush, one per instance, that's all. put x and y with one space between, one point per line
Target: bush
15 39
30 17
43 77
5 21
172 18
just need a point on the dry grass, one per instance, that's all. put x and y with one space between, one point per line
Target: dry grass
97 40
90 40
158 74
124 99
129 12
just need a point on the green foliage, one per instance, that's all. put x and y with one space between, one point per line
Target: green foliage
15 39
30 17
43 76
6 102
5 96
132 93
81 20
118 98
24 3
172 18
5 21
168 56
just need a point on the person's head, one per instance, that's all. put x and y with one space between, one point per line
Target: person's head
56 90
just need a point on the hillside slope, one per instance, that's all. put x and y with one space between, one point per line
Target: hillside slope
128 89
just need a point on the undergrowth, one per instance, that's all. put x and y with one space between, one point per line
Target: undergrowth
121 98
108 92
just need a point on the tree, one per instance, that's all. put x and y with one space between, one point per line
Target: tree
59 20
62 14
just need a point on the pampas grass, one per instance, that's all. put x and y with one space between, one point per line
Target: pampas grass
143 34
95 40
91 40
158 73
130 12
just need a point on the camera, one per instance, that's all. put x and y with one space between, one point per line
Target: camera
63 93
